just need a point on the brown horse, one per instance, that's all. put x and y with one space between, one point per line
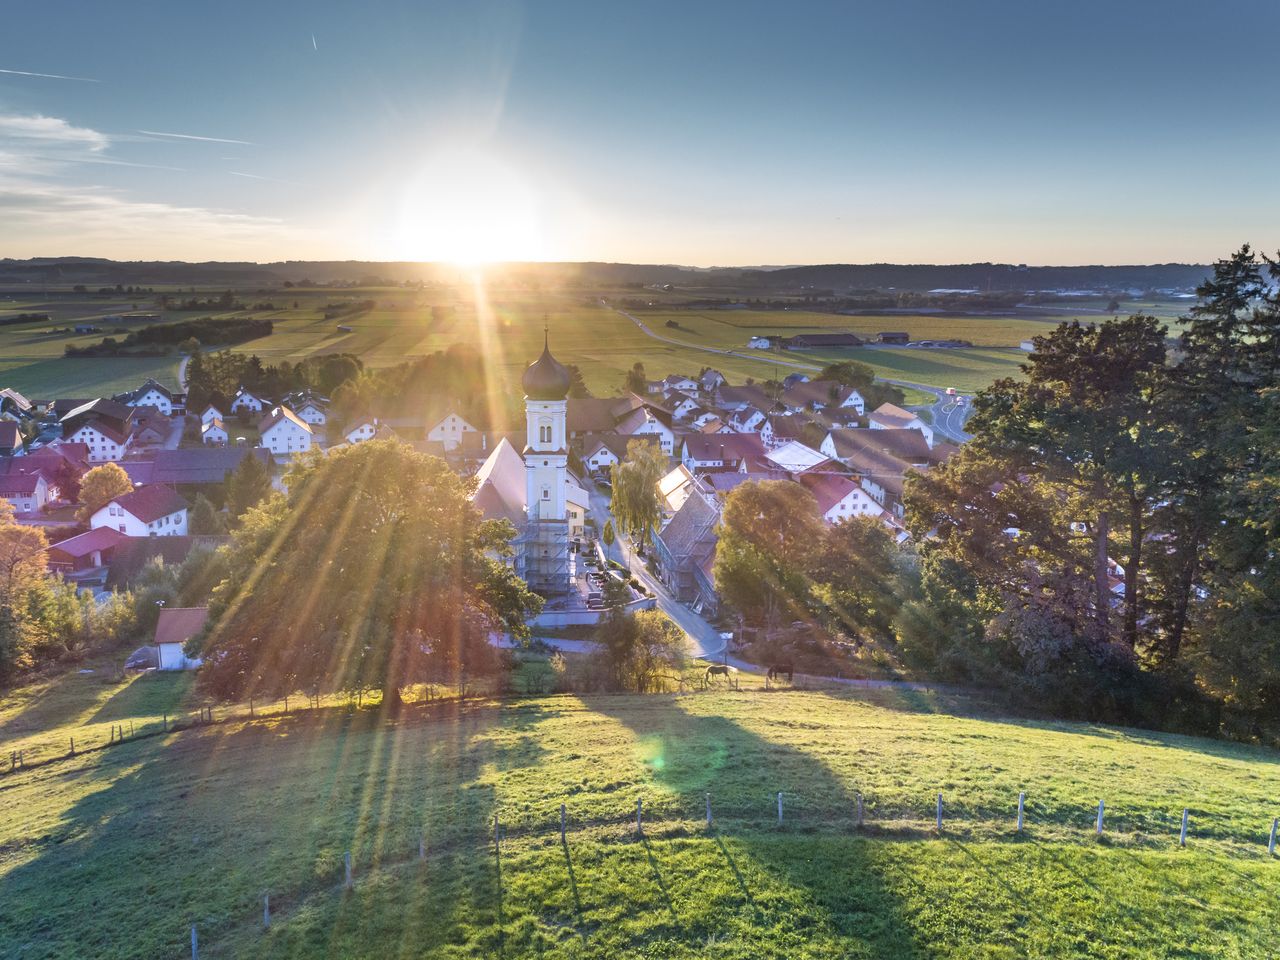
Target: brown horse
718 670
778 670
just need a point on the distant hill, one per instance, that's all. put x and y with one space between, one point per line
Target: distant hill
838 278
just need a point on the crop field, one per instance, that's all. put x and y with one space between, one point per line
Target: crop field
115 854
507 327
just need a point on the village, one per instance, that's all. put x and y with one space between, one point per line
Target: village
711 435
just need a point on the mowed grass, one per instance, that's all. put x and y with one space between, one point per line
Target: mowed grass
115 854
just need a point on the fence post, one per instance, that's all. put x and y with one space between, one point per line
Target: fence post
708 811
251 706
73 746
164 724
858 800
346 861
131 728
1101 808
422 846
195 944
1271 844
779 808
1022 799
1182 839
563 818
266 910
939 813
640 815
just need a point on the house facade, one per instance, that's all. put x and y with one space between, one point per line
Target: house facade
152 511
284 434
449 431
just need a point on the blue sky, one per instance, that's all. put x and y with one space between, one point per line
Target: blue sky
703 133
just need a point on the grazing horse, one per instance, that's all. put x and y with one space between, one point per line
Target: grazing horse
777 670
717 670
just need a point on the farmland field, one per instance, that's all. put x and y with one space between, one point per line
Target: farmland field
507 326
196 825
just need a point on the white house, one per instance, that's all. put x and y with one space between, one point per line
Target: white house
211 413
363 429
888 416
681 405
151 511
26 490
151 394
213 433
641 422
840 498
760 343
247 402
747 420
105 443
603 452
822 395
284 434
711 380
313 413
175 626
449 431
679 383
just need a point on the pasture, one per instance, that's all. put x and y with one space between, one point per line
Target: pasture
115 854
506 325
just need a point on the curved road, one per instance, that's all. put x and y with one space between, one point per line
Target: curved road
949 413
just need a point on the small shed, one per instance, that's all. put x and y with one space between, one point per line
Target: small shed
175 627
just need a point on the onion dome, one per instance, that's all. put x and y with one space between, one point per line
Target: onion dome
546 378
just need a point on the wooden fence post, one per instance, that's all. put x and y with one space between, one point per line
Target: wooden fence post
1101 808
708 811
640 815
1182 838
563 818
164 724
939 813
1022 799
73 746
1271 844
779 808
195 944
266 910
858 817
346 861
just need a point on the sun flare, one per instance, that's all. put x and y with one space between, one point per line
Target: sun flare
468 207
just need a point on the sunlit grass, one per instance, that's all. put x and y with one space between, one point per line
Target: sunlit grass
199 823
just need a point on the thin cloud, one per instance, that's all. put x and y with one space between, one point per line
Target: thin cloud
313 42
50 129
254 176
191 136
49 76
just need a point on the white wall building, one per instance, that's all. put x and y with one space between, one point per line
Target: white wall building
151 511
284 434
449 431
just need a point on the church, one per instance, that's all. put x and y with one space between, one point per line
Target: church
548 507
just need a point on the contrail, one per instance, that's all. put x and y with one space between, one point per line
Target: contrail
313 42
49 76
254 176
189 136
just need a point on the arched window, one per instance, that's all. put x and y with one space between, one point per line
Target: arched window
544 431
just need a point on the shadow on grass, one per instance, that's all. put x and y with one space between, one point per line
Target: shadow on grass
689 755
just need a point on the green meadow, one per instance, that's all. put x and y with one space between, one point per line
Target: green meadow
115 854
507 326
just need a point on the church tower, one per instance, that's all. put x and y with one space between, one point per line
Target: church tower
546 455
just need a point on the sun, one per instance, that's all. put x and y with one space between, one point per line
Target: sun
466 206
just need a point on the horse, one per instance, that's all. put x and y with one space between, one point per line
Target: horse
777 670
718 670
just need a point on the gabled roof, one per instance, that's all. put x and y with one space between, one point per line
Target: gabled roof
728 447
905 443
819 393
214 424
16 399
690 535
786 427
20 483
613 442
829 489
192 464
282 414
794 457
151 503
106 429
750 393
676 487
101 538
500 484
638 418
10 437
891 415
180 624
102 407
147 386
599 414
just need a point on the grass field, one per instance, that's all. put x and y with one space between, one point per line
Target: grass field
507 325
115 854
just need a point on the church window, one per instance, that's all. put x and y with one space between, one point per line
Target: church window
546 493
544 433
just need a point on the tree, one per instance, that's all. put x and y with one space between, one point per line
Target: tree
635 489
641 652
768 536
247 485
374 570
99 487
66 478
577 386
205 518
635 380
607 534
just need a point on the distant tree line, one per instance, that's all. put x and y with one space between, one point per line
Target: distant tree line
161 338
214 378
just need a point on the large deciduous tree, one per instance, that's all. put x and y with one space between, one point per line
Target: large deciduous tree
635 490
373 571
100 486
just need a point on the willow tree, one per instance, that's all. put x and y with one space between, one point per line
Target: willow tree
635 489
374 571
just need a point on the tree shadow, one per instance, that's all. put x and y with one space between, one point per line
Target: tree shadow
694 754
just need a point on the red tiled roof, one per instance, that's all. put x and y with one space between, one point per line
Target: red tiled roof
180 624
102 538
151 503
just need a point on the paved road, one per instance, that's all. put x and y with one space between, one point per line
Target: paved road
948 416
